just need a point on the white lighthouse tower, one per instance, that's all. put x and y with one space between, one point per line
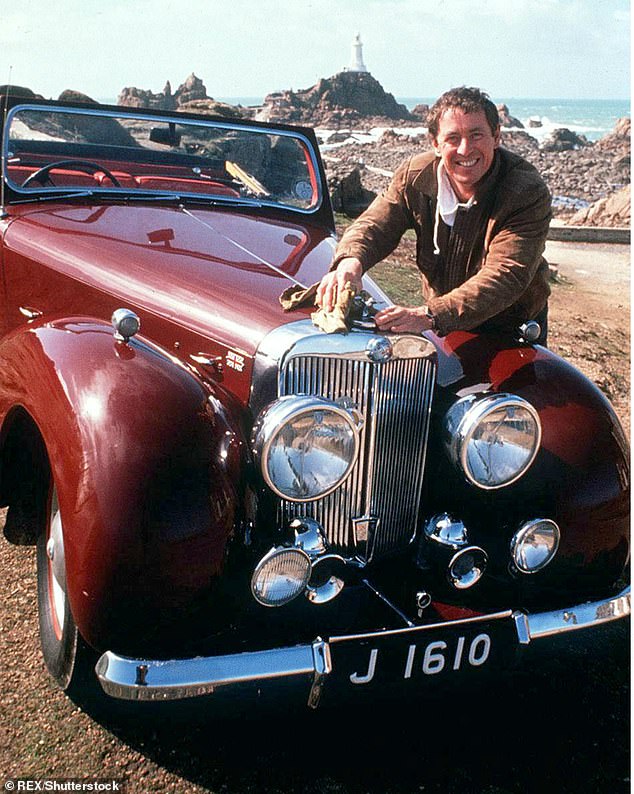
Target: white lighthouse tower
356 59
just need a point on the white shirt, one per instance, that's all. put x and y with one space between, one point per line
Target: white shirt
447 205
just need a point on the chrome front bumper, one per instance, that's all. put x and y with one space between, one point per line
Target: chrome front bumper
142 679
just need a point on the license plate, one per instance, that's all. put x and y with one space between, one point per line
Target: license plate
424 652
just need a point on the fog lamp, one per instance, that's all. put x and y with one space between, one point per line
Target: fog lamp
466 567
280 576
535 544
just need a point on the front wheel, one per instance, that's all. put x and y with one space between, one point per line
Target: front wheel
66 655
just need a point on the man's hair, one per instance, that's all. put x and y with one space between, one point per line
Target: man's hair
469 100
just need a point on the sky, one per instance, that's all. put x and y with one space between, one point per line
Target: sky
577 49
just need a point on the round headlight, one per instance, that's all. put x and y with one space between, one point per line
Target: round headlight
306 446
492 439
280 576
535 544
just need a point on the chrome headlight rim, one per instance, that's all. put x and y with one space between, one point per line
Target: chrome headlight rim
518 539
470 412
292 407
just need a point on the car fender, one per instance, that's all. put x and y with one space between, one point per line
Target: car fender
147 461
580 476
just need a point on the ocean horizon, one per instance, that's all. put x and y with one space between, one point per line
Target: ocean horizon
592 118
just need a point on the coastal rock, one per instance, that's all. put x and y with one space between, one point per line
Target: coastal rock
506 120
191 90
562 139
190 96
619 139
76 96
341 100
421 112
19 90
133 97
211 107
81 128
519 141
613 211
348 195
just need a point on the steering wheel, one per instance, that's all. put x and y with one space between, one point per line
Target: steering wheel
43 174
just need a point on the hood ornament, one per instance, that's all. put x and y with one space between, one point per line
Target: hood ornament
379 349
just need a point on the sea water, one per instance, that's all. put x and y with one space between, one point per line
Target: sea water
593 118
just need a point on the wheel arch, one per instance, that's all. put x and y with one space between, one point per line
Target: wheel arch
148 460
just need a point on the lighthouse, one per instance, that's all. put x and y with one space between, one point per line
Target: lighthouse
356 58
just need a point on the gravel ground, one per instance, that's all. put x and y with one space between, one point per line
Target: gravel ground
560 724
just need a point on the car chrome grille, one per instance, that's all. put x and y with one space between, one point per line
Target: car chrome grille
374 512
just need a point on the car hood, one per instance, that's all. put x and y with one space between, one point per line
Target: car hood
218 272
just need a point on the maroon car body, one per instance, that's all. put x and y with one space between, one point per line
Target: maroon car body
467 494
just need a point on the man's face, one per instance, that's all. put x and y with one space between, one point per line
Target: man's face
467 147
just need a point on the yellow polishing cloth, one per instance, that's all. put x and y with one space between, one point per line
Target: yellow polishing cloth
331 322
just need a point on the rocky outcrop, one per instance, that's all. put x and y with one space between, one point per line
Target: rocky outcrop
19 90
506 120
421 112
613 211
133 97
212 107
192 90
619 139
341 100
564 140
347 193
77 127
519 141
191 96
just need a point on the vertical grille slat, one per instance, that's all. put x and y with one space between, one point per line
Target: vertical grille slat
394 399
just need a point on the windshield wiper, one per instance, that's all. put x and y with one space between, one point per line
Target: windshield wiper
55 196
141 196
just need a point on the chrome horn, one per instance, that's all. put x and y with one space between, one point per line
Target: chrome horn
446 540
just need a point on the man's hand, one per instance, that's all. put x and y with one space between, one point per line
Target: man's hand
402 319
348 270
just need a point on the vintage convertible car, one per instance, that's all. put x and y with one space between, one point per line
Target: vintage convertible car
223 496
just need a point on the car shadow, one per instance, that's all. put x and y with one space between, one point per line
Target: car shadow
559 723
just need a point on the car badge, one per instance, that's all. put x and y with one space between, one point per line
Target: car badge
379 349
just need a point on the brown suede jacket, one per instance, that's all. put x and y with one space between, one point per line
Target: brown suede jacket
490 270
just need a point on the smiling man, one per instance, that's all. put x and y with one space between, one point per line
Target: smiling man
481 216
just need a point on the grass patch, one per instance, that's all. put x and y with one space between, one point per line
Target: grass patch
397 275
399 280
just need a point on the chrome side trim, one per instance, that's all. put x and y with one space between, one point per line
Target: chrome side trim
582 616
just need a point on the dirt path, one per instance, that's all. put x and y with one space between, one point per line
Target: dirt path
560 726
590 310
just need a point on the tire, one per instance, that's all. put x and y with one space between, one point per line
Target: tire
66 655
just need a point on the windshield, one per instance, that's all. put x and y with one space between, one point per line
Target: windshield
48 150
